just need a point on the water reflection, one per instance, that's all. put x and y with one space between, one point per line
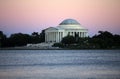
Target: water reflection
60 64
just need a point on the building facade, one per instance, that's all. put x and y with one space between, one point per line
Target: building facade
66 27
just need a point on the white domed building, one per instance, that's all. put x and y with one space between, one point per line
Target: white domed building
65 28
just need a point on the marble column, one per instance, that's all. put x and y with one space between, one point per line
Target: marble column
52 36
59 36
85 34
70 33
74 34
82 34
48 37
79 34
45 37
55 36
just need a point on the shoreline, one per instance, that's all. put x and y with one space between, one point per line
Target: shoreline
51 48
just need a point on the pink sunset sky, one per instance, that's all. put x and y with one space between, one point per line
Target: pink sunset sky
27 16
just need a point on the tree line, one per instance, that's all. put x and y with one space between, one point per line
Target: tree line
104 40
20 39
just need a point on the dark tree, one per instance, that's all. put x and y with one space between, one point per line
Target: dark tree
19 39
42 36
34 34
3 39
104 39
116 39
68 40
35 38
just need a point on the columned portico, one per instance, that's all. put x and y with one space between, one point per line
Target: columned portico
67 27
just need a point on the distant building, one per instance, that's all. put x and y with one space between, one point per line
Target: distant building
66 27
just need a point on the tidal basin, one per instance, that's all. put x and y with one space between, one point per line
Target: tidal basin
59 64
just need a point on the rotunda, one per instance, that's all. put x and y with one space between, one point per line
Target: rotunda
66 27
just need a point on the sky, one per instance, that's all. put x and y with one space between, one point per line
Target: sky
27 16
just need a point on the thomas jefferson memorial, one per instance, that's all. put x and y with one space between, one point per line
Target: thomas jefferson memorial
67 27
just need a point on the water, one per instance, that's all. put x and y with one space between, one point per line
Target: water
59 64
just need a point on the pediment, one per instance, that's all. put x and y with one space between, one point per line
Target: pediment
51 28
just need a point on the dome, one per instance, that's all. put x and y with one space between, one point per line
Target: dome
69 22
